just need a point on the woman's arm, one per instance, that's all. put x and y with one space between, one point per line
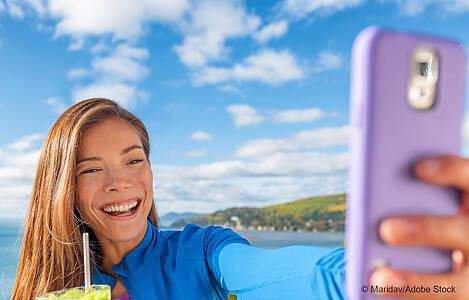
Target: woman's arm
295 272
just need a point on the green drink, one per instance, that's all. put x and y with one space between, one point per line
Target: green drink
95 292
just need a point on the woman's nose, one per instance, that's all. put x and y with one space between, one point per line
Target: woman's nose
117 180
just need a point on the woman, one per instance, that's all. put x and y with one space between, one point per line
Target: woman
94 175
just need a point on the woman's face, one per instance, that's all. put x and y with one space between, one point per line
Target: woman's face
114 185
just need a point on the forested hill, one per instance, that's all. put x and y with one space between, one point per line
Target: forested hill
325 213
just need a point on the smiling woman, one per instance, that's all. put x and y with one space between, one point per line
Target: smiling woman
95 157
114 187
94 175
118 168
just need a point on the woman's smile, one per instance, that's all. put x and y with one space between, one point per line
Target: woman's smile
122 209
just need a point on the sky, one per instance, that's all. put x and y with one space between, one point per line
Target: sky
246 102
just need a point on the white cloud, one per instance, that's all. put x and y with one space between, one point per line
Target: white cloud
210 195
278 164
127 51
57 105
228 88
122 64
123 19
25 160
25 143
14 9
77 43
123 93
197 153
244 115
327 61
414 7
116 76
298 115
19 8
273 30
15 200
38 6
456 5
77 73
267 66
293 164
99 47
301 8
201 136
204 195
316 138
11 175
265 180
211 23
18 165
16 191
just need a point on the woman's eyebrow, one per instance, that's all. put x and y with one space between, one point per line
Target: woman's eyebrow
124 151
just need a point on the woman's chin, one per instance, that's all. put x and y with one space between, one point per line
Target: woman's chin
128 232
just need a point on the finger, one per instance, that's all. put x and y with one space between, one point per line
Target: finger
410 285
449 170
464 206
445 232
459 261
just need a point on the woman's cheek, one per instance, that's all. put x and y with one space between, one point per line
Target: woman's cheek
146 179
145 176
86 188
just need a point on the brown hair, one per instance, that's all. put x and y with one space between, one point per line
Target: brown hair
51 252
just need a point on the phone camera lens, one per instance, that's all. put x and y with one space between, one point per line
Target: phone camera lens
423 69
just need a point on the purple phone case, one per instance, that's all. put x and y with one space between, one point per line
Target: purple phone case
387 137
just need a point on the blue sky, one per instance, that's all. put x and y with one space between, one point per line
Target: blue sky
246 102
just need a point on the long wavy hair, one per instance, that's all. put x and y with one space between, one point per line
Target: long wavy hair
51 252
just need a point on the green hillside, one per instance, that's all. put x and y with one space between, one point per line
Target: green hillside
325 213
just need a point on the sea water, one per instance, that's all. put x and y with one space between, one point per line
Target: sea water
10 246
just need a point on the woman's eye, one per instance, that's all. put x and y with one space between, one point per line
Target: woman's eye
135 161
90 171
132 162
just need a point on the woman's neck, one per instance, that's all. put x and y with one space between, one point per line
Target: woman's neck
114 251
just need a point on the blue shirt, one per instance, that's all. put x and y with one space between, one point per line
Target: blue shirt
207 262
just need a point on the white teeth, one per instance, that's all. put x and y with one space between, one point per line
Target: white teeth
125 207
125 214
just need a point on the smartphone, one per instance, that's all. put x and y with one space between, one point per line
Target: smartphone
407 93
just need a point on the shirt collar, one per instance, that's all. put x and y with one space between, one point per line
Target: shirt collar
134 262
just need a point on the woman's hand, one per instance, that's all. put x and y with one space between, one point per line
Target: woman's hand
445 232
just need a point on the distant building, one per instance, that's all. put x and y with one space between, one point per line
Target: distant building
236 223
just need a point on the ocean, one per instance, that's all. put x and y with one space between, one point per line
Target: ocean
10 245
